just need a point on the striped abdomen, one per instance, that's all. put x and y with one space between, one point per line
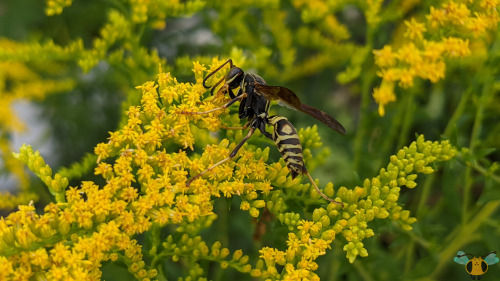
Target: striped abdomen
287 140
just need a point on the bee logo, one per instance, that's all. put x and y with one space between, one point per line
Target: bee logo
476 267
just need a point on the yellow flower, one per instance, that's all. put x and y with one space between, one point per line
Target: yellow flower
409 54
433 71
146 185
456 47
414 29
385 57
436 17
426 59
406 76
267 254
293 242
383 95
198 70
58 273
104 169
433 50
5 268
245 206
456 13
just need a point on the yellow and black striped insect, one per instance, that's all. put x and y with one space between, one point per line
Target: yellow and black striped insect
287 140
255 97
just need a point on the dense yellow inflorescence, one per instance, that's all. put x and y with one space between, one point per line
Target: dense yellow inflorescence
428 44
146 165
19 83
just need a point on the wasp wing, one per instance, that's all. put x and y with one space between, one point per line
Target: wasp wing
461 258
491 258
290 99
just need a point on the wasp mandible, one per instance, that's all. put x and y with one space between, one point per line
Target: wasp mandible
255 97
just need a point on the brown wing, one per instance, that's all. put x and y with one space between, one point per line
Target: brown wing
291 100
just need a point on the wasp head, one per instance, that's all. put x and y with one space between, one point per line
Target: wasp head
234 77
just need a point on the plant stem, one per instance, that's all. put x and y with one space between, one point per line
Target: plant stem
484 99
366 82
362 271
458 112
407 119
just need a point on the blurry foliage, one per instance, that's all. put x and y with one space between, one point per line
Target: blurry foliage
387 70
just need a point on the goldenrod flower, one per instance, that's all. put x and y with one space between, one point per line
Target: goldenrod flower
414 29
419 56
383 95
145 188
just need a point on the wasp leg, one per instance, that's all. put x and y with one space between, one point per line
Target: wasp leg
236 128
230 61
238 98
231 155
319 191
215 86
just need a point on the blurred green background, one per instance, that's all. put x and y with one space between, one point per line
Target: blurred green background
98 51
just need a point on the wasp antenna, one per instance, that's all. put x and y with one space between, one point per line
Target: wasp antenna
321 193
216 84
230 61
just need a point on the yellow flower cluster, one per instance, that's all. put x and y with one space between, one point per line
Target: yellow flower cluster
377 199
312 240
20 82
192 249
146 165
117 43
423 55
283 37
46 248
72 239
55 7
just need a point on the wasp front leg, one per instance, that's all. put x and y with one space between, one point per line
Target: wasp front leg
238 98
230 61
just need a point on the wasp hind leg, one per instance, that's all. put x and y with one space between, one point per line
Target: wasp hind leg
231 155
320 192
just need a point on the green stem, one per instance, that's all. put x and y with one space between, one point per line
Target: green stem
409 261
484 99
484 171
400 126
407 119
366 82
362 271
388 140
155 243
410 250
161 275
426 190
363 122
464 101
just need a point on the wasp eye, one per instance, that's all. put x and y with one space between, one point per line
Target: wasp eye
234 77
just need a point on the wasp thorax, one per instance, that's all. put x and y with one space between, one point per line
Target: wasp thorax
234 77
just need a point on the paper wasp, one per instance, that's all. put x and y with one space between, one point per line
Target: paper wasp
255 97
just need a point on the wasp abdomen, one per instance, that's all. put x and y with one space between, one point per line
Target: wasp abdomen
286 138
